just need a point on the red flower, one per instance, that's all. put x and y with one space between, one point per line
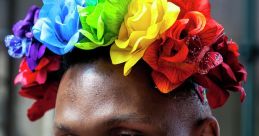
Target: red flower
29 78
227 76
185 49
35 85
195 23
167 58
45 96
202 6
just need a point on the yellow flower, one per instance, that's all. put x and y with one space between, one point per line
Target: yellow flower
145 21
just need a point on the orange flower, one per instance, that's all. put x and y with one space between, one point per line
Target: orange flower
185 49
167 58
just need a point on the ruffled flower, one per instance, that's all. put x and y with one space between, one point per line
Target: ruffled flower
101 21
145 21
228 76
184 49
44 96
168 60
22 43
37 51
39 76
37 86
58 25
23 27
202 6
17 47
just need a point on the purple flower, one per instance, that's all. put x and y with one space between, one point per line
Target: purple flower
36 52
23 43
23 27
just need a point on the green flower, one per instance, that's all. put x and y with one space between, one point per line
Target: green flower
101 21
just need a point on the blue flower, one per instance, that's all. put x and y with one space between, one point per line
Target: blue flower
58 25
17 47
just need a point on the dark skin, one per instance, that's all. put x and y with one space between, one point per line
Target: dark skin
95 99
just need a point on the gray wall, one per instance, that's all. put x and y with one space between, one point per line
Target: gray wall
257 74
3 93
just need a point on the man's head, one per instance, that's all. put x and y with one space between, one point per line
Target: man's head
95 99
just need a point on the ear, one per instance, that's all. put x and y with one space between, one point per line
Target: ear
207 127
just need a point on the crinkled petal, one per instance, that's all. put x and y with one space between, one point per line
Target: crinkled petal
137 36
162 83
202 6
216 95
101 22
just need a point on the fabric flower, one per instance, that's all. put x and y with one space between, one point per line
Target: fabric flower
45 97
101 21
202 6
167 58
22 43
37 50
195 22
228 76
145 21
29 78
58 25
17 47
23 27
184 49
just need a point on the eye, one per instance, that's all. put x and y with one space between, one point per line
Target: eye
125 132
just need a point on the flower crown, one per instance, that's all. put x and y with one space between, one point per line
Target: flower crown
178 39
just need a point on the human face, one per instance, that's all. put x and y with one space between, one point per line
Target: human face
95 99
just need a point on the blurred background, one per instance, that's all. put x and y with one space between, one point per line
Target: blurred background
241 21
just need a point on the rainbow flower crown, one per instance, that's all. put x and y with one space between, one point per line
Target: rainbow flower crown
178 39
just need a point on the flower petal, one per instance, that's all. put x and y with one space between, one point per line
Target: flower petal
138 37
211 33
181 54
163 84
197 22
202 6
45 97
216 95
177 73
210 61
152 53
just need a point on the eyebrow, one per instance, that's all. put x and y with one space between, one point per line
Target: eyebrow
128 118
116 120
64 128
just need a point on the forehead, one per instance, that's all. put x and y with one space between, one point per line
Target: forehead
100 83
94 93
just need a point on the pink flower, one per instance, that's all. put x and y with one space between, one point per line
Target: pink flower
39 76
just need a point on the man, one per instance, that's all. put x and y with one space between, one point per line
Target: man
168 48
95 99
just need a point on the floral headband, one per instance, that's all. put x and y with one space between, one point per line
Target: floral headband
178 39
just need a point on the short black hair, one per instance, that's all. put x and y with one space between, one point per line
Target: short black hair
77 56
